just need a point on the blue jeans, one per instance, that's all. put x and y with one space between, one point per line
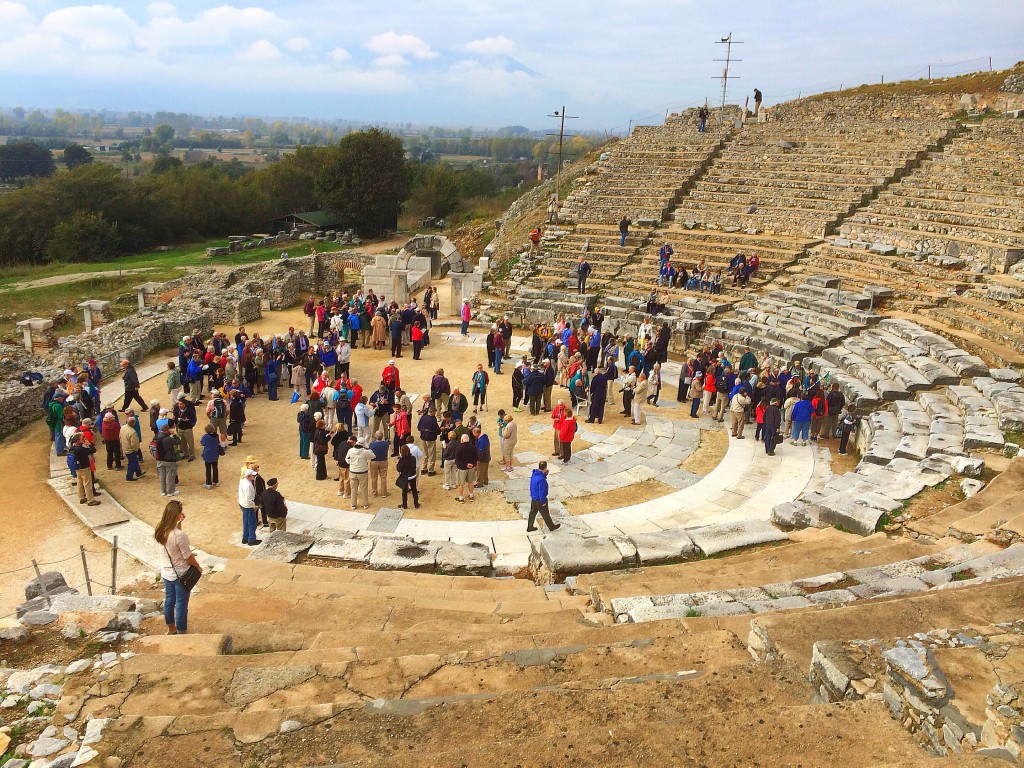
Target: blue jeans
694 405
497 360
59 442
176 605
134 468
272 389
465 327
800 430
71 465
622 240
248 524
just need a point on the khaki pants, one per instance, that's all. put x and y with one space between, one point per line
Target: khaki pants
558 446
360 483
380 423
378 473
507 449
736 421
481 472
721 403
84 484
449 474
279 524
188 443
429 454
344 483
547 398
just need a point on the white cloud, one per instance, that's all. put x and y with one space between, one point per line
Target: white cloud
159 10
339 55
491 45
390 43
472 76
298 44
390 62
15 15
93 27
262 50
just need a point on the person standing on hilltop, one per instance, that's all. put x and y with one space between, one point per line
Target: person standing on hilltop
702 118
757 101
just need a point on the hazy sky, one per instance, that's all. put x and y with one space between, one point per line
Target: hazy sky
478 62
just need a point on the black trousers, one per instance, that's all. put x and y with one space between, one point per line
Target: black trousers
212 472
540 507
396 346
131 396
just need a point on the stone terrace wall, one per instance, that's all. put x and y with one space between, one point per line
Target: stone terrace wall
870 107
20 404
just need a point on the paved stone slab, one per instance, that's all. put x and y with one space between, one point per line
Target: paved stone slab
569 555
664 546
350 550
712 539
386 521
282 547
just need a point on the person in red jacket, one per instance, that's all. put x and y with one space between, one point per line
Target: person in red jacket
110 431
819 410
557 414
566 432
390 376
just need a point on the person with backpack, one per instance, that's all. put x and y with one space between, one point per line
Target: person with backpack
847 425
535 236
185 417
163 450
819 409
217 410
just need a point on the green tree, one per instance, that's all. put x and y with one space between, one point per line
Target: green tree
76 155
163 134
438 194
164 163
83 237
365 180
25 158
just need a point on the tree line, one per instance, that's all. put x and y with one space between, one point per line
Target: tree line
91 211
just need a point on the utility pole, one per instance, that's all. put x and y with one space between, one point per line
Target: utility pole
561 138
728 42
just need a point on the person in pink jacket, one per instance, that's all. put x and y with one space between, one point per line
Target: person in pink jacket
467 313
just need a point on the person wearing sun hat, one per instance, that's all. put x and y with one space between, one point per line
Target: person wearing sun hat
247 464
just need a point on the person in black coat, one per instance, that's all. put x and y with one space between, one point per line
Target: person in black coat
772 425
274 507
236 417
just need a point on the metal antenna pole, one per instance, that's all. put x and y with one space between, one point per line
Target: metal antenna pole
728 42
561 138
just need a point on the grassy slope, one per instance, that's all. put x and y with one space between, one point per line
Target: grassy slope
975 82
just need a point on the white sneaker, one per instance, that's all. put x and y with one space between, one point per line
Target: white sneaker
207 487
174 493
445 486
162 493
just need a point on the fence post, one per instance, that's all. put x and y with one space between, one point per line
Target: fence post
42 584
85 567
113 568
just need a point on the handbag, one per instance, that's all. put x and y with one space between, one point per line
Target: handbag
402 482
189 578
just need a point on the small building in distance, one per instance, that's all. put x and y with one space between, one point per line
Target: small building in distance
309 221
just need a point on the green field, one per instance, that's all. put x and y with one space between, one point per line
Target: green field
45 301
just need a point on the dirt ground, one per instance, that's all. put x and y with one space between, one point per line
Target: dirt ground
38 525
711 449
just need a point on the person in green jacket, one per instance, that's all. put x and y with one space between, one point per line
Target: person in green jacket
55 422
748 361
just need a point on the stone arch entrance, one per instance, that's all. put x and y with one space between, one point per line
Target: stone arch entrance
444 255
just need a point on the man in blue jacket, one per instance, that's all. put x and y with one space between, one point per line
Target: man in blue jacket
539 498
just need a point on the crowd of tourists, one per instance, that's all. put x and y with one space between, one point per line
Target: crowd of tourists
703 278
780 400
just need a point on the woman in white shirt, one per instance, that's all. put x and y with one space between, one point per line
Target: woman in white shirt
175 560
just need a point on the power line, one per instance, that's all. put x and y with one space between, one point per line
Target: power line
561 137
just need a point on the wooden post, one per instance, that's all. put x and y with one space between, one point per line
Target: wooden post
85 567
42 584
113 568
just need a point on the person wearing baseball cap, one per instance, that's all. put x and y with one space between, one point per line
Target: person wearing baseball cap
247 503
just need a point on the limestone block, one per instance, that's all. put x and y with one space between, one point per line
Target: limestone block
720 537
971 487
663 546
282 547
571 555
464 559
404 555
52 580
856 518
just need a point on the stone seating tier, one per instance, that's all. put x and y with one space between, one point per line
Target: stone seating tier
1003 323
